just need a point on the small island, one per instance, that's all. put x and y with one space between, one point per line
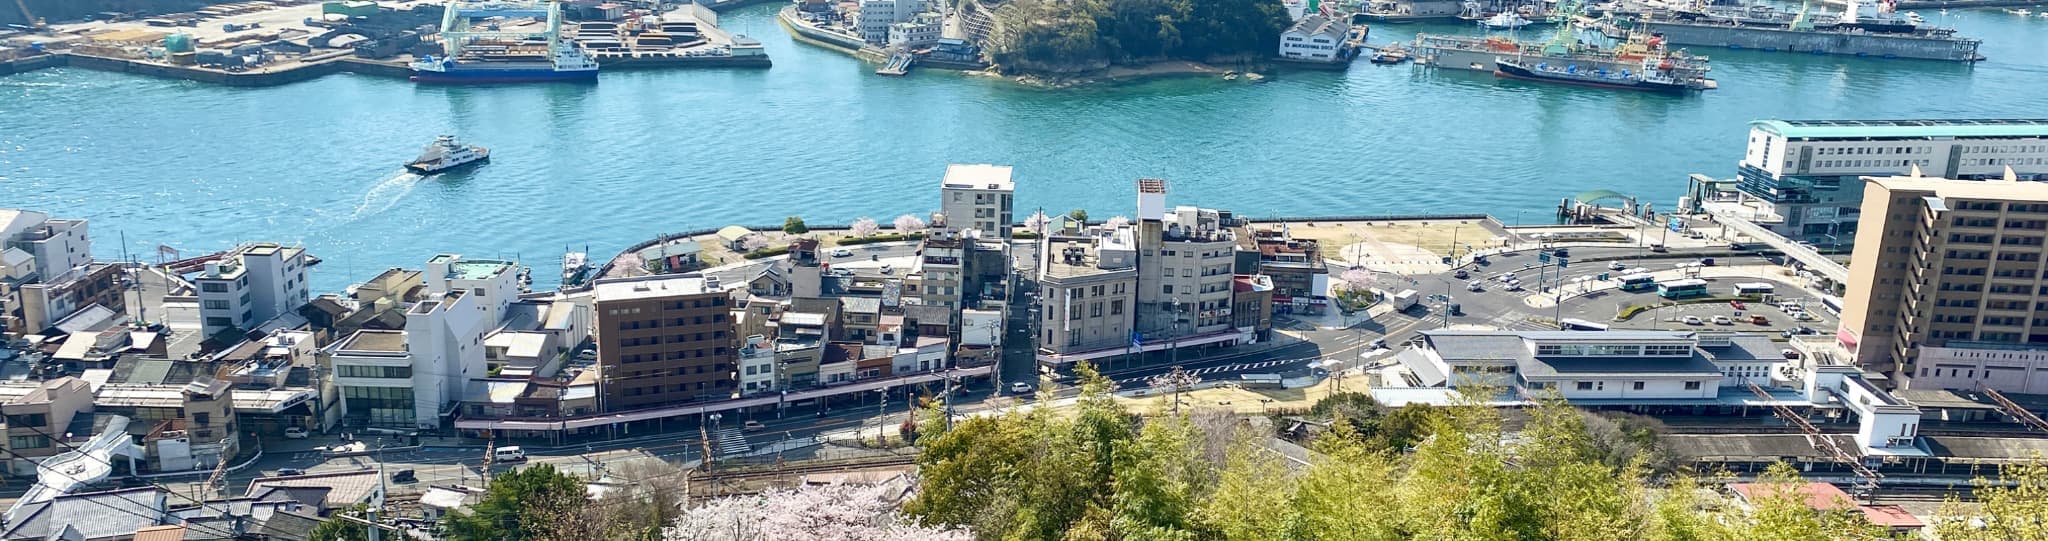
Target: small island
1063 41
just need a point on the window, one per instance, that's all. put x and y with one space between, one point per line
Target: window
28 442
202 418
220 322
215 304
1116 307
1692 385
1637 386
213 287
1585 386
29 420
357 371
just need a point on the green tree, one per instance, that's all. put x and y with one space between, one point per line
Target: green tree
1161 477
1079 215
1403 427
337 528
521 505
794 225
1251 498
2016 510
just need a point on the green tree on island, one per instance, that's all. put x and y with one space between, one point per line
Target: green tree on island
795 226
1083 35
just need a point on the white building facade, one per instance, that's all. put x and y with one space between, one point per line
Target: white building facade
250 285
1314 38
978 197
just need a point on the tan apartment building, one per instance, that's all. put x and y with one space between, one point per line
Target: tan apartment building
1088 288
39 415
1186 263
977 198
663 340
1946 284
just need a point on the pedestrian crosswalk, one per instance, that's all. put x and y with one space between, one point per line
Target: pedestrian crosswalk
1220 369
729 441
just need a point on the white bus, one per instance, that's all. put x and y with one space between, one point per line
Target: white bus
1571 324
1754 289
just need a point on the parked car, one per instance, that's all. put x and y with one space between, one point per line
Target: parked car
1021 388
295 433
290 471
1723 320
1693 320
888 269
1738 305
405 476
842 252
1759 319
753 426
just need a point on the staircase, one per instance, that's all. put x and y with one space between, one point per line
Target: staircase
729 441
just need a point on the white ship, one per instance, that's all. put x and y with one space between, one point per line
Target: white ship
446 153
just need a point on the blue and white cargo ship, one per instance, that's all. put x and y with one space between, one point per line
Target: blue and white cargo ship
563 63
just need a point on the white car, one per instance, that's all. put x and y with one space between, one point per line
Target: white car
1616 265
842 252
1723 320
888 269
1021 388
1474 286
1693 320
295 433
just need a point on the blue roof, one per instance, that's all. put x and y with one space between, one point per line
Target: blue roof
1903 129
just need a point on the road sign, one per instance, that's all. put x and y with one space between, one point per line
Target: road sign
1543 257
1563 262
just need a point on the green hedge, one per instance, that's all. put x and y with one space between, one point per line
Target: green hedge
885 237
767 252
1023 235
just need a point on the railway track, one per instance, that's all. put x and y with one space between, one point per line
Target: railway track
801 469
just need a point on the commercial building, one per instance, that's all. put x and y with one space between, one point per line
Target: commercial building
45 303
1947 287
1185 267
411 377
978 198
922 30
1301 279
1088 302
1315 38
1801 178
251 284
663 340
493 283
876 16
37 415
1610 365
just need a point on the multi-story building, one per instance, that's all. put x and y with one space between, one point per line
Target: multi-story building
1801 178
409 378
1185 267
1947 288
43 304
1301 280
57 245
921 30
251 284
977 198
182 428
1315 38
493 283
876 16
663 340
1088 299
37 415
939 275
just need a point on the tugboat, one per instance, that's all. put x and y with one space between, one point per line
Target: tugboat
446 153
1391 54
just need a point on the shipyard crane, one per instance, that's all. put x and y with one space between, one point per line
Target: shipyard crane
1567 19
458 22
30 17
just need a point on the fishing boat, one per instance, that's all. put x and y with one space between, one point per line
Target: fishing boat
575 268
446 153
2020 11
1506 20
1648 76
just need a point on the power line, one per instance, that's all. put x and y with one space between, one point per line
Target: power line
153 520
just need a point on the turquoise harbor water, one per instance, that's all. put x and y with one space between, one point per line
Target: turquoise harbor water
200 167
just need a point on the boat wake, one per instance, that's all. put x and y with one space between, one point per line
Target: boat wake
386 193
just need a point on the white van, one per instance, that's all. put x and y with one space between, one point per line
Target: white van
507 454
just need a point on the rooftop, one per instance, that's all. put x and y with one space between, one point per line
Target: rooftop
651 287
1966 189
472 269
1819 496
979 177
343 488
1838 129
374 340
1152 185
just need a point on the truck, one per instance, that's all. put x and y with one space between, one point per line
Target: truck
1405 299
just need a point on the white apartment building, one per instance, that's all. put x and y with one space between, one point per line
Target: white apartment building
250 285
876 16
921 30
408 378
56 245
494 283
757 366
1314 38
977 198
1802 178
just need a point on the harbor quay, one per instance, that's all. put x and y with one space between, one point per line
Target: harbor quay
275 43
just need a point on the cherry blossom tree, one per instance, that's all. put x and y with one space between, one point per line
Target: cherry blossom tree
909 223
1037 222
1357 278
839 512
754 242
864 227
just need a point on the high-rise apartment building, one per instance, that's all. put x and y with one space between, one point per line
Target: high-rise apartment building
1186 258
664 340
1946 287
250 285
